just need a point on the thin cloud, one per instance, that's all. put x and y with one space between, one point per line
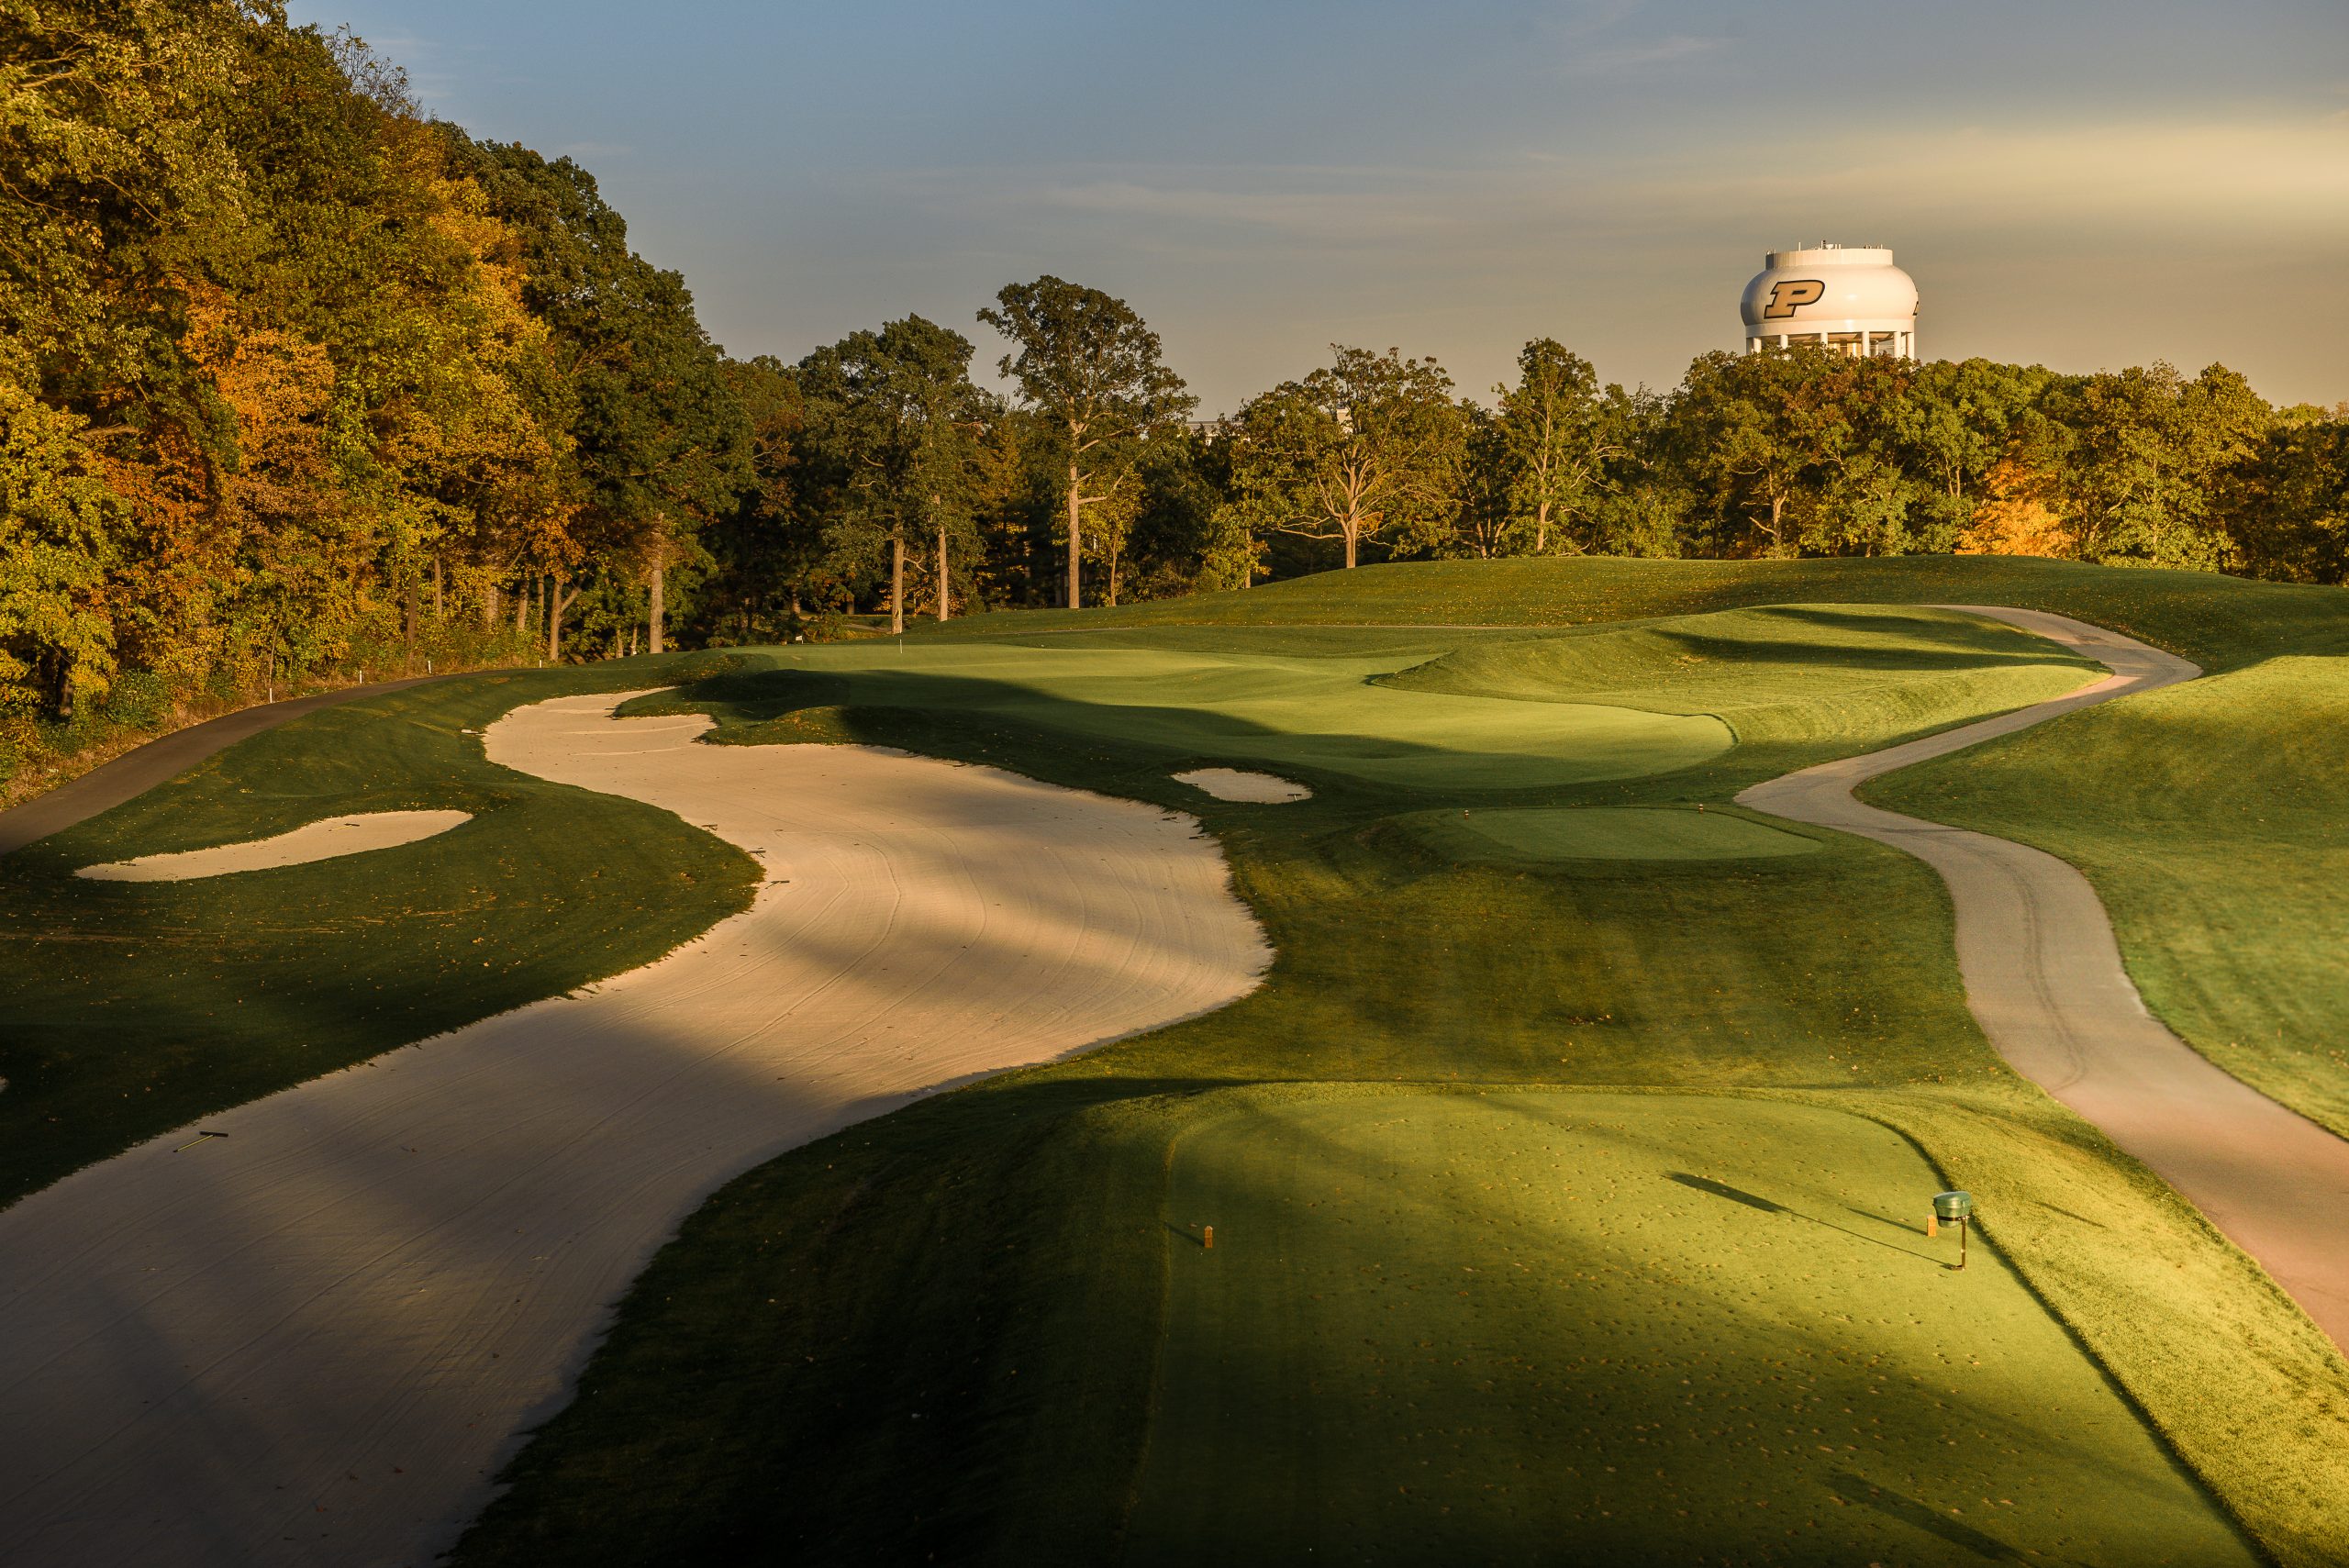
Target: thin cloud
1680 49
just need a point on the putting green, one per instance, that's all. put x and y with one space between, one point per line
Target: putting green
1849 674
1608 833
1525 1326
1321 713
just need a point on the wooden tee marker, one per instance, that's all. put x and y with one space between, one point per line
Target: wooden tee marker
1208 1239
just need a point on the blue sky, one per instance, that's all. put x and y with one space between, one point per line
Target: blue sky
2081 183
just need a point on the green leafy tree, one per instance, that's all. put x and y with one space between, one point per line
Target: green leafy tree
1559 434
59 529
895 419
1369 445
2146 448
1090 369
661 441
2287 504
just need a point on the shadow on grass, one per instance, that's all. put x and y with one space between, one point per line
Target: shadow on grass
1753 1200
1917 1515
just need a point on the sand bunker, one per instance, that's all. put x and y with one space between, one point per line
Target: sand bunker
311 842
315 1339
1230 783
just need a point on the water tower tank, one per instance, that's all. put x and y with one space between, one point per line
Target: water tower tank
1850 298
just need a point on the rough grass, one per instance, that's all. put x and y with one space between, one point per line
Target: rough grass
1534 835
132 1008
938 1334
2213 819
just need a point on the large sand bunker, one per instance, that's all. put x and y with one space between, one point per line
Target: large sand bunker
324 841
315 1339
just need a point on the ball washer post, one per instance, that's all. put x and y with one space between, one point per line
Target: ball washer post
1951 1208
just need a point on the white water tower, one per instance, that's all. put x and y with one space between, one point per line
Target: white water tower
1851 299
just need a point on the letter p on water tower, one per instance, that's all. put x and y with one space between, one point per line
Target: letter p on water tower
1850 299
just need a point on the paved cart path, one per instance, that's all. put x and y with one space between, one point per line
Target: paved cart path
2044 978
316 1339
135 772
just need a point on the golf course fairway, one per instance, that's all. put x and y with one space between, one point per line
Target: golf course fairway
1528 1326
1526 951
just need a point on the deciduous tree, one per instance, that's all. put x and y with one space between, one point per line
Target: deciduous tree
1090 368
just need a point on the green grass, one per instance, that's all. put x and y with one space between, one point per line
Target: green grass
2211 818
132 1008
1529 1326
1523 712
1322 713
939 1334
2217 621
1534 834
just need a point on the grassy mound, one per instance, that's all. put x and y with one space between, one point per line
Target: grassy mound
2213 819
1532 1326
939 1334
2217 621
1537 834
134 1008
1322 714
1788 673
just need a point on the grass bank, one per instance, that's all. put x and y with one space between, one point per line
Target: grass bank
132 1008
945 1332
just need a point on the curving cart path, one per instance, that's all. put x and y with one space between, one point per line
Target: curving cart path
2043 977
315 1340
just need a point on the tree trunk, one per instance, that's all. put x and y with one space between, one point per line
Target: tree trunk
557 602
942 598
1354 541
898 584
521 608
1075 536
1541 528
410 653
654 620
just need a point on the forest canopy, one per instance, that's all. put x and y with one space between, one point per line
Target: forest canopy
299 384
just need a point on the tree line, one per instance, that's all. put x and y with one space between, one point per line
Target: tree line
300 383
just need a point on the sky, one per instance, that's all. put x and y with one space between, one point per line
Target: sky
2080 184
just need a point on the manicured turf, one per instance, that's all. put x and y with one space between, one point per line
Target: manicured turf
2219 622
1321 713
939 1334
1566 1328
1486 712
132 1008
2213 819
1534 834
